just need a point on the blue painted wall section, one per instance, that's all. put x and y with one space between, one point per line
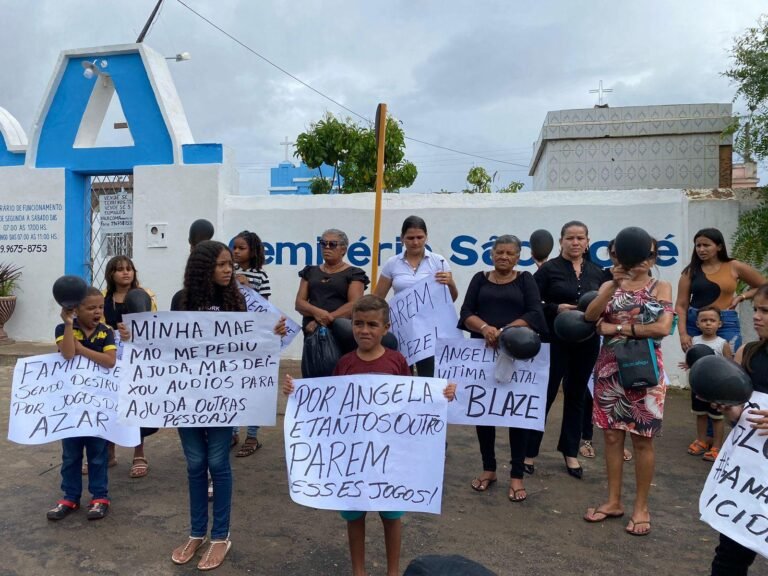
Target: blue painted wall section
8 158
77 224
152 143
286 175
202 153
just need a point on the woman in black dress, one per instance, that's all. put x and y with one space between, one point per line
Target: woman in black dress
495 300
562 281
327 292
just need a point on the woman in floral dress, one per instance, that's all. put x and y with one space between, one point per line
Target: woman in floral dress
632 305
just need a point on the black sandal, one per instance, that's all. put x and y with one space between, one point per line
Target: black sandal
248 448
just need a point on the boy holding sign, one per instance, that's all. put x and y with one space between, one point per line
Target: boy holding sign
86 336
370 322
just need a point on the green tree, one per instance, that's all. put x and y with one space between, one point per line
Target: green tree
749 72
351 150
479 180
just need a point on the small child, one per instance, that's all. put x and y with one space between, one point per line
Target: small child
248 255
370 322
708 321
87 336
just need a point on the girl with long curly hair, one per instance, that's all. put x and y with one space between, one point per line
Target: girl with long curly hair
209 285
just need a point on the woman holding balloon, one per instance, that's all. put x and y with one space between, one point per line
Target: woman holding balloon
633 306
562 281
496 301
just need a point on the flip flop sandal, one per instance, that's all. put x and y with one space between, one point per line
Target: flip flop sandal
587 450
513 495
248 448
482 484
632 531
627 455
139 468
184 554
203 564
590 515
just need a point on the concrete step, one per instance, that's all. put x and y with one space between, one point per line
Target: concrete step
12 351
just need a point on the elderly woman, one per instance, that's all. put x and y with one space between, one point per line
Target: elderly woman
413 265
634 305
495 300
327 292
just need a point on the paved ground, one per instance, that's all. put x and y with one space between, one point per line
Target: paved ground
273 536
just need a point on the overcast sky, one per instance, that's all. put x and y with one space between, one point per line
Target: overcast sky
477 76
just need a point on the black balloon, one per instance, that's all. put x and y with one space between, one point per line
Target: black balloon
69 291
199 231
137 300
341 329
571 326
632 246
697 351
520 342
715 379
541 242
586 300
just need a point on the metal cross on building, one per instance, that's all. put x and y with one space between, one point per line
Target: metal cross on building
600 91
287 145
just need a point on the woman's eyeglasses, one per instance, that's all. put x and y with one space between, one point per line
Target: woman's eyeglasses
332 244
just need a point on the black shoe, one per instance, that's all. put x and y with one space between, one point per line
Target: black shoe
98 509
63 509
529 468
577 472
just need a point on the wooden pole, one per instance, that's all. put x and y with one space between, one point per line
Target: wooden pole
381 129
144 30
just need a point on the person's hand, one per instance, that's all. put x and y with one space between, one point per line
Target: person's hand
759 420
682 366
620 275
68 315
288 385
242 279
685 342
324 318
125 334
565 307
450 391
735 301
444 278
733 413
311 327
606 329
491 335
280 329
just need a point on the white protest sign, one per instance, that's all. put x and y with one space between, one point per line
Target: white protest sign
734 500
185 369
53 398
419 316
366 442
517 403
255 302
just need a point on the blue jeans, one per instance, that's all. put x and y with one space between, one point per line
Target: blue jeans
71 467
730 331
253 431
207 449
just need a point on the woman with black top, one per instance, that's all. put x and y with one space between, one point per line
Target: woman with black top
496 300
561 282
731 558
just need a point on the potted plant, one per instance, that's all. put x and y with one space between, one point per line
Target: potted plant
9 278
